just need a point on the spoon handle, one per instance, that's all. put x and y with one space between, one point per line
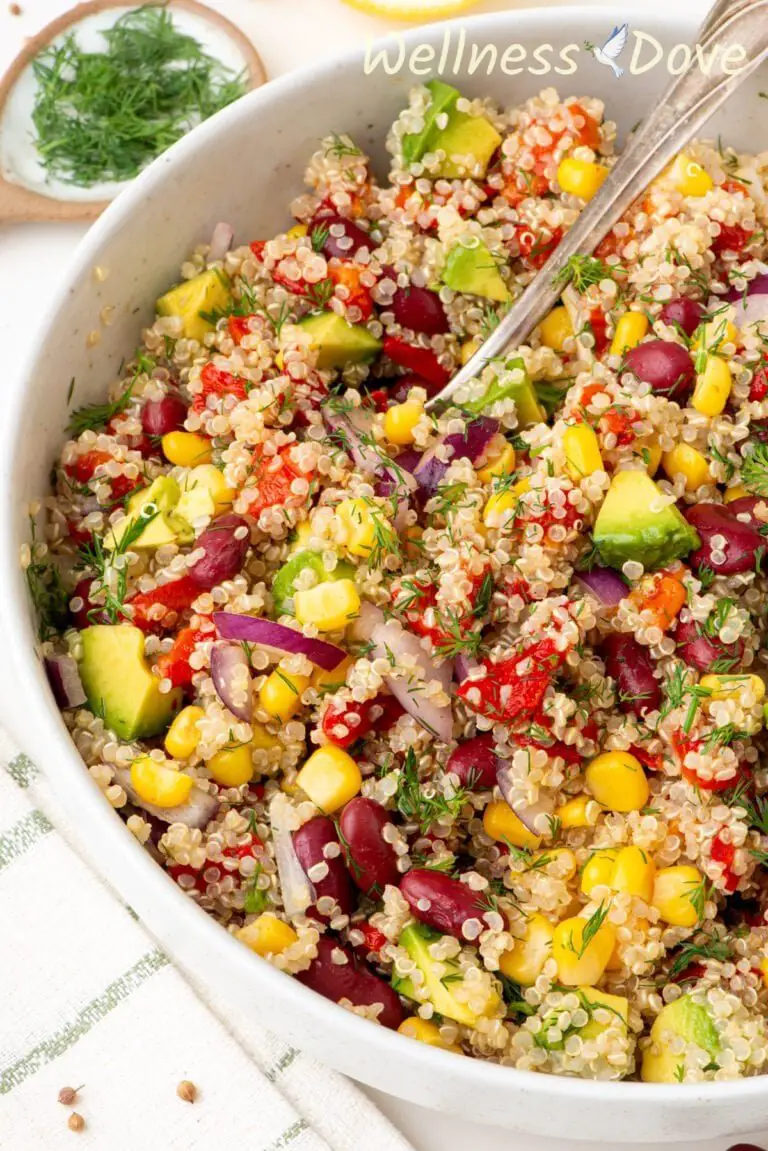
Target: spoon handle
684 108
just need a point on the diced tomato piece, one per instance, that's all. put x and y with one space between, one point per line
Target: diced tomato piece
589 135
347 275
83 468
647 758
179 869
508 693
176 597
250 850
598 324
257 247
271 482
380 399
732 238
217 382
518 586
76 535
682 747
724 853
391 710
535 249
734 186
239 328
359 719
422 361
373 939
174 664
618 422
758 389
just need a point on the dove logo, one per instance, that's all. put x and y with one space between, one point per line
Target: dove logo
611 49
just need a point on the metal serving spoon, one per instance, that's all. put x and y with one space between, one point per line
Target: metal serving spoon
684 108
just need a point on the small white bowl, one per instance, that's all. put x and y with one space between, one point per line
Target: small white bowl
244 166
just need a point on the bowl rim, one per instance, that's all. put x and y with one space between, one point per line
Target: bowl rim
128 860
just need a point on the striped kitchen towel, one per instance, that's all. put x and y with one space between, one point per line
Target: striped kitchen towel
89 1001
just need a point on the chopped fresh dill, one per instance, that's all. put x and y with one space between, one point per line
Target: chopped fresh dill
417 804
692 952
47 592
93 555
91 417
104 115
754 470
584 271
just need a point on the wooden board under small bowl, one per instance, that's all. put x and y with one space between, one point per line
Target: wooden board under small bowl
20 204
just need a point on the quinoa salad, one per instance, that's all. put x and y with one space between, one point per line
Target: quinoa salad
454 714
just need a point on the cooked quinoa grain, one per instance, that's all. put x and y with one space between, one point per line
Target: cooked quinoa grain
455 716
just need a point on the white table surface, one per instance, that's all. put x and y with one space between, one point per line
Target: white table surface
33 259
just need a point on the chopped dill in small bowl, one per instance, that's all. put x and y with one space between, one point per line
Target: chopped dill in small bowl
104 115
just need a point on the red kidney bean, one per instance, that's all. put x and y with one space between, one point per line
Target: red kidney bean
420 310
667 367
309 843
683 313
700 650
450 903
350 980
331 246
745 1147
742 541
224 551
372 861
745 506
159 417
632 667
475 762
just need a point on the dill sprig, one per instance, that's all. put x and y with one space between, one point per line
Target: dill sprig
93 555
105 115
754 470
419 807
690 953
584 271
91 417
47 592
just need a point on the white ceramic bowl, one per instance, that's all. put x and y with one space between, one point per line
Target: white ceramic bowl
244 166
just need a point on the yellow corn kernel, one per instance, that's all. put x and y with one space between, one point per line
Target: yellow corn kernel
526 958
689 177
581 177
617 781
737 492
690 464
359 524
400 420
630 329
556 328
734 687
233 766
185 449
650 453
713 387
578 960
183 735
764 968
468 349
716 332
211 478
678 894
581 811
426 1032
325 681
280 694
582 452
329 606
159 783
598 870
501 823
634 873
330 778
565 865
262 739
267 935
497 510
297 231
501 461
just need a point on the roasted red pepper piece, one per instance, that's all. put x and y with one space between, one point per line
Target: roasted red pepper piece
514 688
724 853
174 664
176 597
422 361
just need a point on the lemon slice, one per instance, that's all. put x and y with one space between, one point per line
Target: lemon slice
412 9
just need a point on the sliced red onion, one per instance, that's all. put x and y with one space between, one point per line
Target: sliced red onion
231 675
392 642
752 305
351 428
198 811
463 665
64 678
605 585
361 629
277 636
470 444
297 891
221 242
527 813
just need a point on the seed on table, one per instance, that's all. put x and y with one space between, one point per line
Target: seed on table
68 1095
75 1122
187 1091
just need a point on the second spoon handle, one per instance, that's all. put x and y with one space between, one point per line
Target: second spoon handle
684 108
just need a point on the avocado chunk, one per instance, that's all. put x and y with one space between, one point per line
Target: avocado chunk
631 526
521 390
470 268
208 292
156 504
436 989
691 1021
468 141
120 685
284 583
339 343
